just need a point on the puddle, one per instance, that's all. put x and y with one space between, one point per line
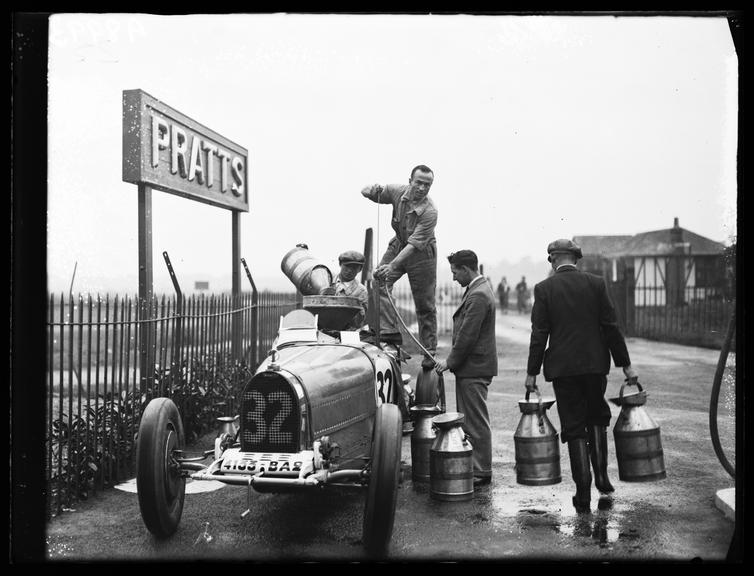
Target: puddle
551 508
598 529
192 486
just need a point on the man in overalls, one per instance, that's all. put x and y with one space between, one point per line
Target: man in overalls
412 251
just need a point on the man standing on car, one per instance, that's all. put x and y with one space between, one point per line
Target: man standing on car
573 310
473 358
412 251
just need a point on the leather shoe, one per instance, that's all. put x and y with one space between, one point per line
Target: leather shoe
481 481
605 502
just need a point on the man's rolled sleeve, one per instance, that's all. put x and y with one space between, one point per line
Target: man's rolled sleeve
389 192
425 229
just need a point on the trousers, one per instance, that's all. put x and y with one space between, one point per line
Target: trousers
581 403
471 400
421 269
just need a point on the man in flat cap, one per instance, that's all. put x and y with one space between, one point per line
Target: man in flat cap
412 251
347 284
573 309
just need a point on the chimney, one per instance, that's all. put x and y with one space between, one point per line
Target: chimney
676 234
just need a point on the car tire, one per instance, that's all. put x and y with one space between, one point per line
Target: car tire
160 486
382 492
428 384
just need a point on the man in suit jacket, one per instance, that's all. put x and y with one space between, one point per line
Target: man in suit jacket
473 358
573 309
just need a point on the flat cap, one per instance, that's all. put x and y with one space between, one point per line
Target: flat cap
351 257
563 245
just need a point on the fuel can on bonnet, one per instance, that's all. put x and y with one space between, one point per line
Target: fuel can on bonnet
307 273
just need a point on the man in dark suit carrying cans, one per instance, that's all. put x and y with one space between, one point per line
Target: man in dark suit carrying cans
473 358
574 311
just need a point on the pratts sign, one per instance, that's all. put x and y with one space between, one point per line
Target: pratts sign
164 149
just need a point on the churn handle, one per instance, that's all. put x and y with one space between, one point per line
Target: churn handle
630 382
540 410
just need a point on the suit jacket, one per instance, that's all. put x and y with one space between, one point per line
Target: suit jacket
474 350
573 309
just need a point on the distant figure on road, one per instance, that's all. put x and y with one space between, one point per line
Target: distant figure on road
522 295
502 294
573 310
473 358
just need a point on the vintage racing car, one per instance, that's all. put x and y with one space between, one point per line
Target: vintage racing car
323 409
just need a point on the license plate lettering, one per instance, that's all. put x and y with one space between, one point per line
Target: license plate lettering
244 465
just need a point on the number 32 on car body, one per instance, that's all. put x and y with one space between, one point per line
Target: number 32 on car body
384 381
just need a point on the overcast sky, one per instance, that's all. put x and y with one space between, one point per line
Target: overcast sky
536 127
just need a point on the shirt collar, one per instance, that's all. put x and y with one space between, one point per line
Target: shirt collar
566 267
474 280
418 207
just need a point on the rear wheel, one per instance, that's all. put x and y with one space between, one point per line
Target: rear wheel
159 483
382 493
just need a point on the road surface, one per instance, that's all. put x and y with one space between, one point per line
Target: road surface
675 519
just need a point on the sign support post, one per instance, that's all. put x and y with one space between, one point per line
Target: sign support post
236 346
146 348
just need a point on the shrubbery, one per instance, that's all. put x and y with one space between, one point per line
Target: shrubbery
98 447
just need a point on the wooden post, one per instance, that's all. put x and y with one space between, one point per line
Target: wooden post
146 348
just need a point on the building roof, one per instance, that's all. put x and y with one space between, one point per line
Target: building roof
605 246
653 243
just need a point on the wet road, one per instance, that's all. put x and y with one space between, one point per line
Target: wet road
672 519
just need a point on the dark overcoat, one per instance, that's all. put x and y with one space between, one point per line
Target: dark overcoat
574 311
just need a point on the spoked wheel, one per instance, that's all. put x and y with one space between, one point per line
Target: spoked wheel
430 388
159 483
382 493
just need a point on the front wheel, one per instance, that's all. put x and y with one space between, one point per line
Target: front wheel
159 483
382 493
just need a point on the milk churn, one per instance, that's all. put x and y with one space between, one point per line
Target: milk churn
422 438
451 471
637 439
308 274
537 446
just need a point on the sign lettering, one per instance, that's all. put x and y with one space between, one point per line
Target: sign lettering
169 151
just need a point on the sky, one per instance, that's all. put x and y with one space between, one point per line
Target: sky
536 128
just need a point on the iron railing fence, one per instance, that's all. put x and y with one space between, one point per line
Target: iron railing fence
96 395
694 316
447 299
95 390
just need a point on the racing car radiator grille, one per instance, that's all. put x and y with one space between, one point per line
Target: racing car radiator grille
270 417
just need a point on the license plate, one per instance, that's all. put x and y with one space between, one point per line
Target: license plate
270 464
